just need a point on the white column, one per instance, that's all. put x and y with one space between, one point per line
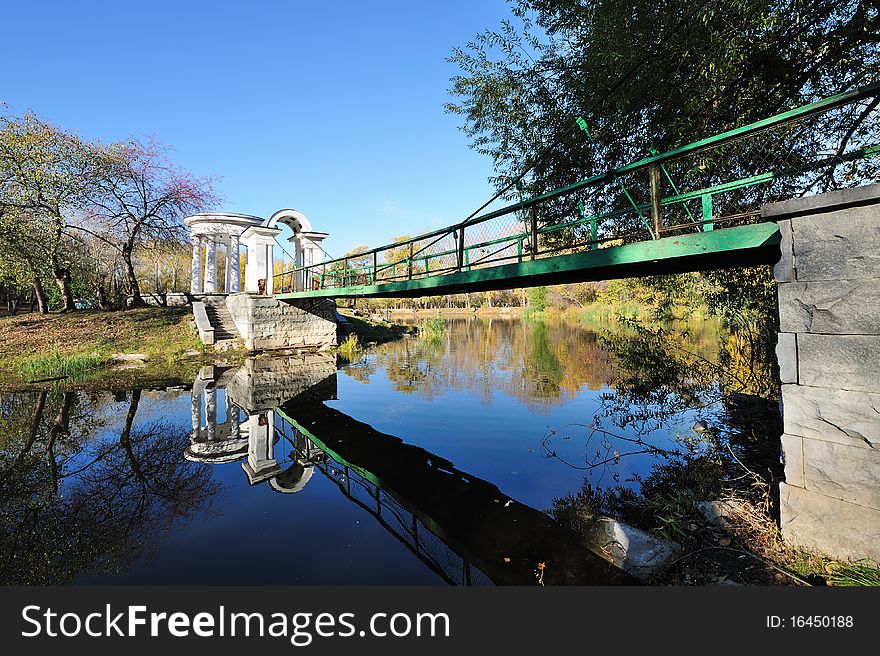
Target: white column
236 421
226 268
312 255
196 283
307 247
261 446
211 266
298 262
270 267
233 265
261 463
259 242
211 413
196 413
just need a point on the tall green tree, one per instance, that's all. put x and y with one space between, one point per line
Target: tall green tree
46 175
719 65
649 74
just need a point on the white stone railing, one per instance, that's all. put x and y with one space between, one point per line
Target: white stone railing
203 325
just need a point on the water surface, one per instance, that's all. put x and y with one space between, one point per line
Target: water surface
427 461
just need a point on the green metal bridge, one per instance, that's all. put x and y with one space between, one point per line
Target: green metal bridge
692 208
461 526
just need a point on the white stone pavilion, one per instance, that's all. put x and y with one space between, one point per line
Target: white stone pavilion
223 234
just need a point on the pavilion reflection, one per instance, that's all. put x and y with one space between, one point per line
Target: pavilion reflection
462 527
244 427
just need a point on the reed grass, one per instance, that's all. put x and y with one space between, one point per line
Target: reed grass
855 574
431 329
351 348
56 365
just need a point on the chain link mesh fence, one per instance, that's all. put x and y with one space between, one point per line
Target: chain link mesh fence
715 183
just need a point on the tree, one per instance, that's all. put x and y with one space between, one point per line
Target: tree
20 266
718 65
46 175
141 197
395 258
722 65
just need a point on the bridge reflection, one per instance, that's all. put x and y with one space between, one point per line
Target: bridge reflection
460 526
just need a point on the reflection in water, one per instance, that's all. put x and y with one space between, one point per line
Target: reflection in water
246 429
464 528
166 486
542 364
82 491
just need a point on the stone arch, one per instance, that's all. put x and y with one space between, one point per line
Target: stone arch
306 243
294 219
293 479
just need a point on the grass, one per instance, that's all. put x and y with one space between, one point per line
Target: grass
852 574
431 329
35 347
594 311
55 365
351 348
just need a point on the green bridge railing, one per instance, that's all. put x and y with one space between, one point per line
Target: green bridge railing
715 182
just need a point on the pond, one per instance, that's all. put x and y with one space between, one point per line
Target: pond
432 460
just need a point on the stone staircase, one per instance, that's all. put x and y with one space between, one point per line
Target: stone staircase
221 321
225 334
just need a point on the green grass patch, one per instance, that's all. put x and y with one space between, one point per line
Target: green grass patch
56 365
78 346
855 574
431 329
351 348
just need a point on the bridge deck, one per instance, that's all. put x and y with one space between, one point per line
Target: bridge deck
739 246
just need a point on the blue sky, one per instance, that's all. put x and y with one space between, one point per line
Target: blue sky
332 108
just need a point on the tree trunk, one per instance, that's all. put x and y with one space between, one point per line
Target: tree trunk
60 427
62 279
103 303
136 299
35 428
40 293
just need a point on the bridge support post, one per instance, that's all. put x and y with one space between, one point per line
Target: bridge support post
656 198
829 357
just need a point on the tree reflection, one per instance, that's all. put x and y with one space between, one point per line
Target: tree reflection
78 499
540 363
660 375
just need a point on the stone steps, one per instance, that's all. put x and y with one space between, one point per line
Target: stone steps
221 322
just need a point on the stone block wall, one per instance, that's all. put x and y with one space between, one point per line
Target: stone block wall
264 383
829 359
265 323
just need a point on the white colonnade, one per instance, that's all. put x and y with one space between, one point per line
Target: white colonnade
216 235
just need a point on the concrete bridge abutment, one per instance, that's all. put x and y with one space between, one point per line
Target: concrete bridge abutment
828 281
266 323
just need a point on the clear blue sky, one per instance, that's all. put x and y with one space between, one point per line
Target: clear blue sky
332 108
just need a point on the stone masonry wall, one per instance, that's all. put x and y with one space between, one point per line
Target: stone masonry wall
829 359
266 323
264 383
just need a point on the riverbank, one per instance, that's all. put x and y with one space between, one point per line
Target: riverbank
427 313
586 312
153 346
372 331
